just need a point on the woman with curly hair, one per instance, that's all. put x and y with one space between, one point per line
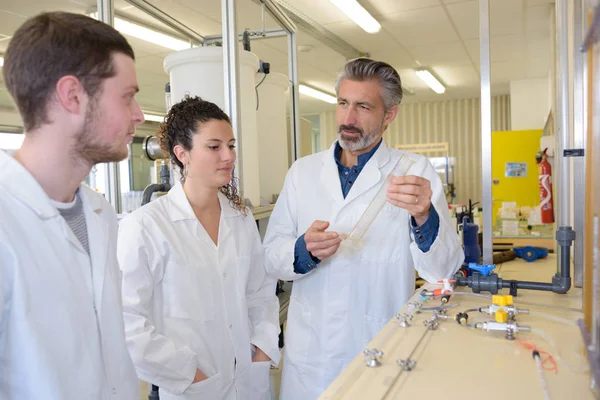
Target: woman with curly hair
201 315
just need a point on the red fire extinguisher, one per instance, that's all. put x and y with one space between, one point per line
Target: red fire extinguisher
545 179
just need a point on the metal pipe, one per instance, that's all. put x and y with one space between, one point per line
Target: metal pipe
280 16
579 140
486 128
231 82
563 169
106 12
113 189
294 97
166 19
268 34
262 15
316 30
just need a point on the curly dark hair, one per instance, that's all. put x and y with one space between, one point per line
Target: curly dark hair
179 128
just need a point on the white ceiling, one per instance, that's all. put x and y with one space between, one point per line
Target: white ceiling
440 34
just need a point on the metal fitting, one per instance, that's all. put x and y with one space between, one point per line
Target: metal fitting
372 357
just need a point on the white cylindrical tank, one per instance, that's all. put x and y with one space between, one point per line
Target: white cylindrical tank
272 133
199 72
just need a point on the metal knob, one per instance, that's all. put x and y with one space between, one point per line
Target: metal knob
372 357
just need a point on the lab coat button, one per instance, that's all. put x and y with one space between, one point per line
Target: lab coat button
230 326
114 391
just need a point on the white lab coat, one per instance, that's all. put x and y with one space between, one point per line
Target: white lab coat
336 309
59 338
191 304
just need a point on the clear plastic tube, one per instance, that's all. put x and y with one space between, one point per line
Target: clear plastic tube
540 370
482 296
553 318
577 368
366 219
529 303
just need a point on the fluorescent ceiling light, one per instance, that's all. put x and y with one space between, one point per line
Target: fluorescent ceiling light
317 94
1 61
358 14
154 117
430 80
149 35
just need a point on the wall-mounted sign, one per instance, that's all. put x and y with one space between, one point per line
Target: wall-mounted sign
515 169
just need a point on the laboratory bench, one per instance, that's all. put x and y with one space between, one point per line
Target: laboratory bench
458 362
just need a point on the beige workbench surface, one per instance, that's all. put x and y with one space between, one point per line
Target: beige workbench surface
455 362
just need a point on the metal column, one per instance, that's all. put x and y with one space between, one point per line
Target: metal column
286 23
106 12
579 138
113 189
564 233
294 97
486 129
231 82
563 166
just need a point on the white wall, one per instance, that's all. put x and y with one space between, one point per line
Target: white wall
529 103
454 121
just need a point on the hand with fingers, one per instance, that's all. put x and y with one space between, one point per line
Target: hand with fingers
319 243
413 193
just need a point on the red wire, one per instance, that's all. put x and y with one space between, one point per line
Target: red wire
548 360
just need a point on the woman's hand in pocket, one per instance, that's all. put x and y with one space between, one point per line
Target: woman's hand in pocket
260 356
199 377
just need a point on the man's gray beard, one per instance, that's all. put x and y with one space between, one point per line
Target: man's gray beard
360 143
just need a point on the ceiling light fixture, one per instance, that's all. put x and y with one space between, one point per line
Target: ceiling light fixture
358 14
147 34
154 117
317 94
434 83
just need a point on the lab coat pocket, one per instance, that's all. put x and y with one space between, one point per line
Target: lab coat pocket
188 292
207 389
256 382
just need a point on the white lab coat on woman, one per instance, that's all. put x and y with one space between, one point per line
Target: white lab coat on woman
337 308
61 333
190 304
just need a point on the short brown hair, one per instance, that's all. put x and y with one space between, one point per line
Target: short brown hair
52 45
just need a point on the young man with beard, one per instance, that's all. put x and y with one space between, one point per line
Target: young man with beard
61 324
343 295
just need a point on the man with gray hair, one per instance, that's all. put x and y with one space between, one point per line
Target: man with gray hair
343 294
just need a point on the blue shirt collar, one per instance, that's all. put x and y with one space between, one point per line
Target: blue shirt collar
362 159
